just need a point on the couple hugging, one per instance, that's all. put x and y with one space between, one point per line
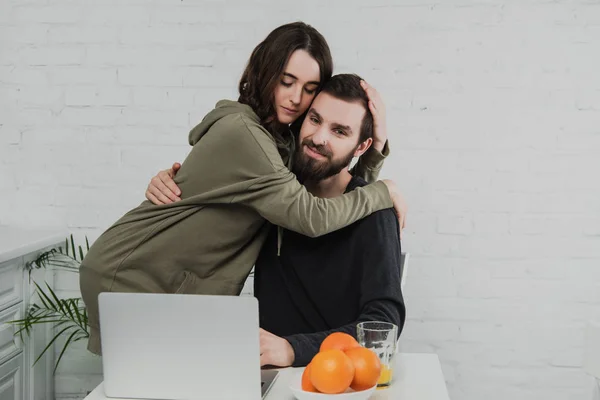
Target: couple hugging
268 183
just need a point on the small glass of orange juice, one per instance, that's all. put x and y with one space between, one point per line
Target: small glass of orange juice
380 337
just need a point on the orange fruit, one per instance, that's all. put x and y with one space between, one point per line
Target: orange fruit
331 371
339 340
307 385
367 368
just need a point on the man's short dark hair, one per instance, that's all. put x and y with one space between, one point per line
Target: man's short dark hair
347 87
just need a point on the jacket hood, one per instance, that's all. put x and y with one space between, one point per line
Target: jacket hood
222 109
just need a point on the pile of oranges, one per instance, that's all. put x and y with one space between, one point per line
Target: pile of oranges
341 363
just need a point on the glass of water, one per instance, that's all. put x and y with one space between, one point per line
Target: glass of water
380 337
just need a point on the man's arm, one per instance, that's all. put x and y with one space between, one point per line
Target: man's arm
306 346
381 294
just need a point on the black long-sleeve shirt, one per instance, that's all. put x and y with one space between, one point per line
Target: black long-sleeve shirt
322 285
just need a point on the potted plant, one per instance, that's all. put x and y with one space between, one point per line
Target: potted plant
67 316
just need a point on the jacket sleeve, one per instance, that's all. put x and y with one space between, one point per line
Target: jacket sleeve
283 201
275 193
369 164
381 294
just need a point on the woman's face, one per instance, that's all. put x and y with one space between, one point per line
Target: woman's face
297 87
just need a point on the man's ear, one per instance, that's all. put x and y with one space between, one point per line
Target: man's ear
363 147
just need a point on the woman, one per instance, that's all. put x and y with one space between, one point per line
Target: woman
235 181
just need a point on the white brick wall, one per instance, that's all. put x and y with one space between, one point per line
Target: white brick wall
494 115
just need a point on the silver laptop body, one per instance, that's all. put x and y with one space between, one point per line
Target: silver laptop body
181 347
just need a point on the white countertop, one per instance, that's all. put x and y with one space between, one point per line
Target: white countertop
416 377
15 242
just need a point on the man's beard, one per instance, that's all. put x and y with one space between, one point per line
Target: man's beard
307 169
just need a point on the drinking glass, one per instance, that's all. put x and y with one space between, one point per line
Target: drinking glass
380 337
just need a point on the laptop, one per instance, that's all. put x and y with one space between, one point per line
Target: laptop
181 347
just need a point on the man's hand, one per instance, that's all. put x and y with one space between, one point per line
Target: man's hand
162 188
274 350
377 108
399 203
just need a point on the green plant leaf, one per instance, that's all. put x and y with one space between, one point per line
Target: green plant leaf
41 260
59 258
56 336
63 350
42 296
80 336
73 246
87 244
58 303
67 307
81 317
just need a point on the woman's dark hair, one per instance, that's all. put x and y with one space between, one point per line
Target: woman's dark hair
267 63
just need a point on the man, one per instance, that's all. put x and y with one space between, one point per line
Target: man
310 287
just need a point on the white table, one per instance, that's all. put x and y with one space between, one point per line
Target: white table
416 376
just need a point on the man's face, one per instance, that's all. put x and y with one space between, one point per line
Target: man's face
328 138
